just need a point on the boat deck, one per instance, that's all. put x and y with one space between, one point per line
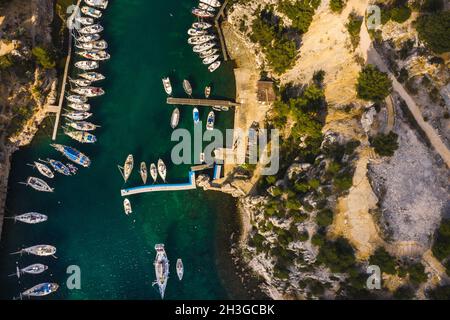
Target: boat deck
161 187
201 102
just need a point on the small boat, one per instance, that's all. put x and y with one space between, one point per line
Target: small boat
206 7
161 265
207 92
81 82
73 169
210 59
210 121
143 172
167 85
87 65
203 47
95 55
196 32
84 20
127 167
217 108
80 106
33 269
41 290
175 118
200 39
201 13
59 167
81 136
180 269
95 28
38 184
127 206
89 91
73 155
82 125
212 3
102 4
92 76
94 13
213 67
88 38
93 45
196 115
187 87
41 250
43 169
201 25
30 218
77 115
162 170
224 108
153 172
76 99
207 53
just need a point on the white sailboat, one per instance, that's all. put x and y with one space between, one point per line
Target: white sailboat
143 172
43 169
162 170
180 269
161 265
127 168
153 172
127 207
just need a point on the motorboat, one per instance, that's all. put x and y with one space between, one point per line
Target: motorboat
202 157
202 13
95 28
95 55
196 115
143 172
212 3
59 167
86 65
93 45
89 91
210 121
127 206
81 82
84 20
196 32
82 125
92 76
102 4
175 118
88 38
207 92
38 184
43 169
187 87
161 265
30 218
41 250
162 170
208 53
76 99
204 46
167 85
153 172
40 290
200 39
213 67
77 115
89 11
81 136
73 154
79 106
201 25
206 7
210 59
180 269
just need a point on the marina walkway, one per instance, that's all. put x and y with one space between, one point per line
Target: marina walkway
201 102
220 14
161 187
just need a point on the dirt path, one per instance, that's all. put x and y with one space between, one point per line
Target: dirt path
372 56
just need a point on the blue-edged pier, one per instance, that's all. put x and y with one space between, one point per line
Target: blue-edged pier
161 187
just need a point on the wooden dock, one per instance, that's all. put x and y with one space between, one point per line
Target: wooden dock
161 187
219 30
201 102
202 167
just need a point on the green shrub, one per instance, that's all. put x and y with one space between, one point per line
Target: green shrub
338 255
343 181
43 58
300 13
5 62
318 239
324 218
433 30
404 293
337 5
304 236
400 14
441 245
417 274
440 293
373 85
384 260
354 27
385 144
432 5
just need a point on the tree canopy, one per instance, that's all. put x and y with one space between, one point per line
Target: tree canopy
373 85
434 29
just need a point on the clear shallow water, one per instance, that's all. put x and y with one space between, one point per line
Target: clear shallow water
147 40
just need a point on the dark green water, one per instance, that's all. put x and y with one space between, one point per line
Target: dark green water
147 40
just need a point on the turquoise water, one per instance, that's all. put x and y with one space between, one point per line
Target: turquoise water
147 40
